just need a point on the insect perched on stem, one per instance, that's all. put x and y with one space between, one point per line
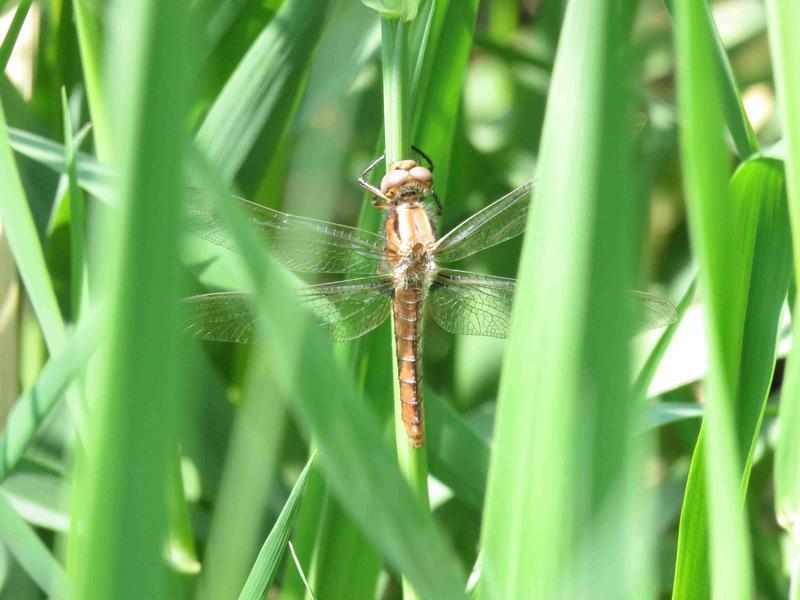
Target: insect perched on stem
399 271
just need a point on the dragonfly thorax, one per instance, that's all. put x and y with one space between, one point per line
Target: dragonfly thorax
407 181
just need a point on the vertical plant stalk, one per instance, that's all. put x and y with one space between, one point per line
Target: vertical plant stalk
90 45
413 461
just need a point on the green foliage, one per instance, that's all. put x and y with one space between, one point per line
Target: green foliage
573 460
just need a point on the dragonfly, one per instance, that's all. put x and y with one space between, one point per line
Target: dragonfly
397 271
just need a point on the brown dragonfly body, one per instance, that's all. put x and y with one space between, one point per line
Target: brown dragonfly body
398 271
410 236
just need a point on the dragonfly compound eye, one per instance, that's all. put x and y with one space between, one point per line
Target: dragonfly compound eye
393 179
421 174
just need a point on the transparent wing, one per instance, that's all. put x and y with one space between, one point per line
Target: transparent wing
222 317
475 304
304 245
346 309
498 222
471 304
653 312
349 309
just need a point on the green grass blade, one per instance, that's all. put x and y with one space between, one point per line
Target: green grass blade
784 21
93 176
733 108
7 47
30 551
79 281
120 512
35 404
269 558
90 44
252 457
440 86
458 456
757 192
262 93
352 452
720 244
24 243
565 403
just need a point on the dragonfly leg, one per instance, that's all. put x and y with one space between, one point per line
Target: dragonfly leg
362 181
426 157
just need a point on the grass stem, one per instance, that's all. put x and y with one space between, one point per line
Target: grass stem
413 461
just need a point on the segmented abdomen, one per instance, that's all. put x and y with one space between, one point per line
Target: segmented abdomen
407 307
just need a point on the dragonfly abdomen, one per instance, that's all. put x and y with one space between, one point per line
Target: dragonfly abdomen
407 307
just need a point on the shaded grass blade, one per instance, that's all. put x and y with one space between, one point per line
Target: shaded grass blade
262 93
23 240
565 403
269 558
33 406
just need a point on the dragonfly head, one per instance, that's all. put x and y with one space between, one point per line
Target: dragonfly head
407 181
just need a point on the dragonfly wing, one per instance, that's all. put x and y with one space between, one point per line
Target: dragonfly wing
475 304
349 309
304 245
500 221
472 304
653 312
221 317
346 309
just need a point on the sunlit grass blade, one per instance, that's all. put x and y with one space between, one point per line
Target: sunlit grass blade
120 512
716 230
733 108
269 558
758 199
784 23
352 451
263 90
565 404
30 551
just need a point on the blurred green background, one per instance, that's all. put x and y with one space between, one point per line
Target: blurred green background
285 99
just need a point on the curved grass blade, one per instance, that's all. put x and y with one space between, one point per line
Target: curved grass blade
733 108
30 551
269 558
757 188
